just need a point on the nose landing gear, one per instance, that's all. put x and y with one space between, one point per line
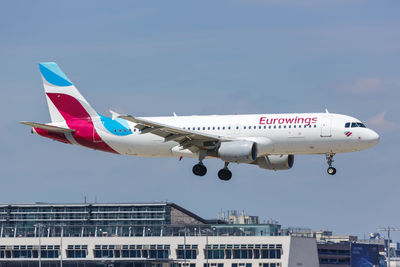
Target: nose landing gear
329 158
225 174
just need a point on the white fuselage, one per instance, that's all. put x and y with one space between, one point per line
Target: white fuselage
275 134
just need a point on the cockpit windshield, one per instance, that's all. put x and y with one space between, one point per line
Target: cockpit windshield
354 125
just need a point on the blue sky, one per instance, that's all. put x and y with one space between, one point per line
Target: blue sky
150 58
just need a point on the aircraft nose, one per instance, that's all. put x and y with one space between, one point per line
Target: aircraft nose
372 137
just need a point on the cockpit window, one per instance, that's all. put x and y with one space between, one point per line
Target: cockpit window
355 124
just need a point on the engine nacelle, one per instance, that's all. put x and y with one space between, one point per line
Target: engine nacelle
238 151
276 162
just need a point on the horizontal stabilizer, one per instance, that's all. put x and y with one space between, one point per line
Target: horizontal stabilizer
47 127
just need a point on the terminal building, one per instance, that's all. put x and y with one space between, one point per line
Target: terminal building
142 235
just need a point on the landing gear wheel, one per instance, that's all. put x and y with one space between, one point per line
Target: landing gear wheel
199 169
331 170
329 158
225 174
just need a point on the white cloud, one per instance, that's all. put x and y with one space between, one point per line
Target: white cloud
366 86
379 122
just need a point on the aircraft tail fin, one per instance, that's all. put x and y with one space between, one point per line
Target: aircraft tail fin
65 102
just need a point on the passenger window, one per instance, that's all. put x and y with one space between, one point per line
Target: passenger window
284 126
259 127
274 126
279 126
354 124
229 127
208 128
237 127
315 126
204 128
265 127
347 125
198 128
213 128
254 127
269 127
218 128
299 126
294 126
223 128
244 127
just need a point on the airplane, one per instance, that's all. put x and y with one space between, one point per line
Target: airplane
269 141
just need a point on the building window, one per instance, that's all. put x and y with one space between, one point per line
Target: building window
271 254
216 254
186 253
49 254
103 253
159 254
79 253
242 254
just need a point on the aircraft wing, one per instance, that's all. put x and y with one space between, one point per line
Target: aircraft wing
187 139
47 127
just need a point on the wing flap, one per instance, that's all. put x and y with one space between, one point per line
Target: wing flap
47 127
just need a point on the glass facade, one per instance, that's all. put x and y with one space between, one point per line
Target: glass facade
103 220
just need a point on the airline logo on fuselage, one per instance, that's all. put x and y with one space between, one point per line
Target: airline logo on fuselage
347 133
290 120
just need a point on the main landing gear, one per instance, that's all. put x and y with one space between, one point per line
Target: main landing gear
329 158
199 169
225 174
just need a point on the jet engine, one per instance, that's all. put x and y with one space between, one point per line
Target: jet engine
276 162
238 151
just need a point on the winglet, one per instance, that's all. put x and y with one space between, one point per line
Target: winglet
326 111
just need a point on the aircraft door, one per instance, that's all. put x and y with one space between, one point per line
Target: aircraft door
326 126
